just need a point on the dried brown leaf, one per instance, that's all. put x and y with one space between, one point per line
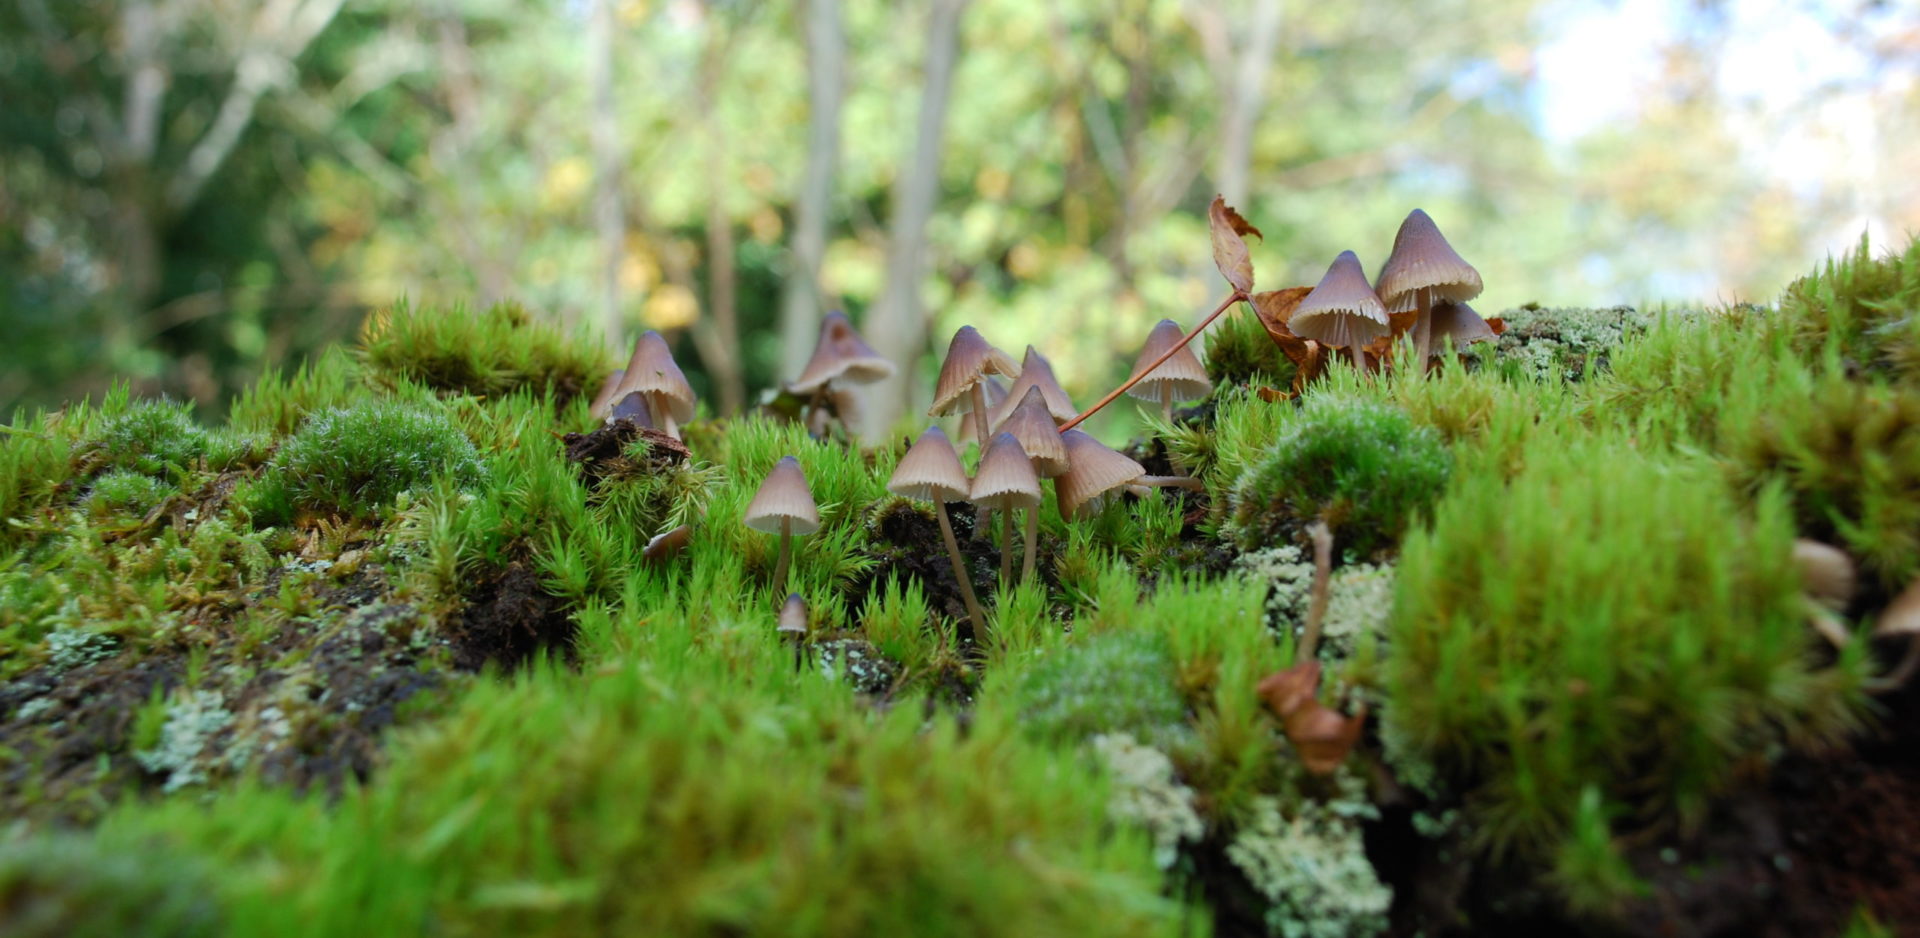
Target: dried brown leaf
1323 737
1229 245
1285 692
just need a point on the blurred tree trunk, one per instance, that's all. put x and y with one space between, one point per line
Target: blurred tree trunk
721 345
898 326
800 304
1241 70
607 216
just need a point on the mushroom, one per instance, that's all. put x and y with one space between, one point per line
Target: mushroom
995 391
1032 425
793 625
784 506
1343 311
603 401
1036 372
663 546
652 371
633 407
1093 471
1456 322
1006 481
1901 619
1423 270
1180 377
969 361
840 358
931 471
1828 582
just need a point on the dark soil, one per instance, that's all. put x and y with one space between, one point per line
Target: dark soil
912 547
509 616
599 452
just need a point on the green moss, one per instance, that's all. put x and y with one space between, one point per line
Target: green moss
1609 618
1860 309
279 402
1239 351
1118 682
354 461
123 490
495 352
157 438
1365 468
66 886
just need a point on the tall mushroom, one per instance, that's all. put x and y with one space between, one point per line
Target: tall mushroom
1032 425
931 471
1036 372
1181 377
652 372
969 361
1343 311
1006 481
840 358
1423 270
784 506
995 391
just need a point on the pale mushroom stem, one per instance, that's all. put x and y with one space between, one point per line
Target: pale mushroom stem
980 434
1006 546
1033 541
1322 575
1423 324
1359 358
1166 403
663 408
1177 482
780 568
960 573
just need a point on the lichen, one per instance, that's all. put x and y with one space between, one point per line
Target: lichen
1312 867
194 719
1146 792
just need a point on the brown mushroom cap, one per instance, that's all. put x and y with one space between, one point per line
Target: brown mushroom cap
1182 374
1423 259
784 497
931 470
1343 311
1458 321
1902 616
1032 424
1006 478
633 406
969 361
1826 571
840 355
1093 470
663 546
603 401
793 615
1036 372
652 370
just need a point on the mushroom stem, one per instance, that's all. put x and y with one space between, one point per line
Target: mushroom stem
1423 324
663 412
979 397
1359 358
1225 304
780 568
1033 540
1176 482
1006 546
960 573
1166 404
1322 578
1893 680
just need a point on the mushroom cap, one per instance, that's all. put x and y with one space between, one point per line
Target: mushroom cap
1421 259
1826 571
1032 424
840 355
1458 321
793 615
995 392
652 370
1183 375
1036 372
603 401
632 406
1093 470
667 543
969 360
1343 311
931 470
784 496
1006 478
1902 616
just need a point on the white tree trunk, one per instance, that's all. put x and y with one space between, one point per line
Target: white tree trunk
608 218
800 304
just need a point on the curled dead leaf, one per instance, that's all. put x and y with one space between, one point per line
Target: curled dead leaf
1229 246
1285 692
1322 736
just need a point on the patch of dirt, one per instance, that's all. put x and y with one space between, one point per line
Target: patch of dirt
599 452
914 548
509 616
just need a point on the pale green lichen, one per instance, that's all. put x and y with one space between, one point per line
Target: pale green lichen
1312 867
69 648
194 719
1359 598
1146 792
1566 343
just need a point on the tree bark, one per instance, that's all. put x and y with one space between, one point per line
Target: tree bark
897 325
724 364
801 300
608 218
1241 69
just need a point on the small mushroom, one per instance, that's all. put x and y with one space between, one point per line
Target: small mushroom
995 391
1343 311
603 401
1032 425
931 471
793 625
633 407
784 506
969 361
1901 619
1181 377
1423 270
1826 572
1006 481
840 359
1458 323
1094 471
665 545
1036 372
652 371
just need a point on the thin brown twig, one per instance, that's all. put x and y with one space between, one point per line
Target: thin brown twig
1142 373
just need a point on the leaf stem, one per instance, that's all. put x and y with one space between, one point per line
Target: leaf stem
1237 297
